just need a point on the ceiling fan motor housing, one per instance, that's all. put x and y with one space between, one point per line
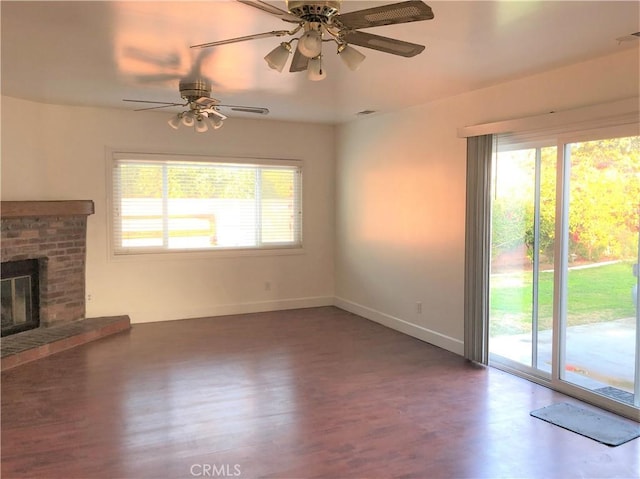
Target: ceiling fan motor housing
191 90
314 11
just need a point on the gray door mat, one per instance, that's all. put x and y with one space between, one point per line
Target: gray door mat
594 425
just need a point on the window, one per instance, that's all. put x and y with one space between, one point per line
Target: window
165 203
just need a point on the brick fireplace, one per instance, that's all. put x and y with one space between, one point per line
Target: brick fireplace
53 233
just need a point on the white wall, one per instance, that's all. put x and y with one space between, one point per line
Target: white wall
397 201
401 194
52 152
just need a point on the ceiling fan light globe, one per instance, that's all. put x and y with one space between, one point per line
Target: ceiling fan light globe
351 57
310 44
315 71
277 58
187 119
216 122
174 122
201 124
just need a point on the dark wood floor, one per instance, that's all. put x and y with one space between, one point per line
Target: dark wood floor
316 393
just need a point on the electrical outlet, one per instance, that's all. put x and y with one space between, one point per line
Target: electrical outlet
267 286
89 297
419 307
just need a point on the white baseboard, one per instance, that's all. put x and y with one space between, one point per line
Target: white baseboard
432 337
138 317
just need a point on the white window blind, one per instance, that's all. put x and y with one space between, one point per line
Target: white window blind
162 204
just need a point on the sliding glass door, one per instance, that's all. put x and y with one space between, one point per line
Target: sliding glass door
565 228
598 347
522 275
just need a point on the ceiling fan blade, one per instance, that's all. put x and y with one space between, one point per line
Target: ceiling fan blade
275 33
383 44
155 107
214 112
163 104
166 103
270 9
403 12
246 109
299 62
206 102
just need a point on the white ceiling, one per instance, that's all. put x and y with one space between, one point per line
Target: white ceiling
98 53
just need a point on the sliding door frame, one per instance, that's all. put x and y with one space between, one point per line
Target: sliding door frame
561 261
531 372
622 114
561 276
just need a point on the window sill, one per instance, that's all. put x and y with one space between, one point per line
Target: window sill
154 256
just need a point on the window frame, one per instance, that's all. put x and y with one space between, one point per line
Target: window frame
115 157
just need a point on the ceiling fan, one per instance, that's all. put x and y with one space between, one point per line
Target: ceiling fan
320 21
203 110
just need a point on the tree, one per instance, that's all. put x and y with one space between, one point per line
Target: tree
604 200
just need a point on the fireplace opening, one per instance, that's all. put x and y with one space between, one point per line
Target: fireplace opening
20 296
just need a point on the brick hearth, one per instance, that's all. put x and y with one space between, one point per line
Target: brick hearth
28 346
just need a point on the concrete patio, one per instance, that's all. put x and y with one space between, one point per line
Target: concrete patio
598 355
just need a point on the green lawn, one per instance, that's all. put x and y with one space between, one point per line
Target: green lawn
601 293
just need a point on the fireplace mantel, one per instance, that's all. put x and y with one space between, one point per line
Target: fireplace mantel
27 209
